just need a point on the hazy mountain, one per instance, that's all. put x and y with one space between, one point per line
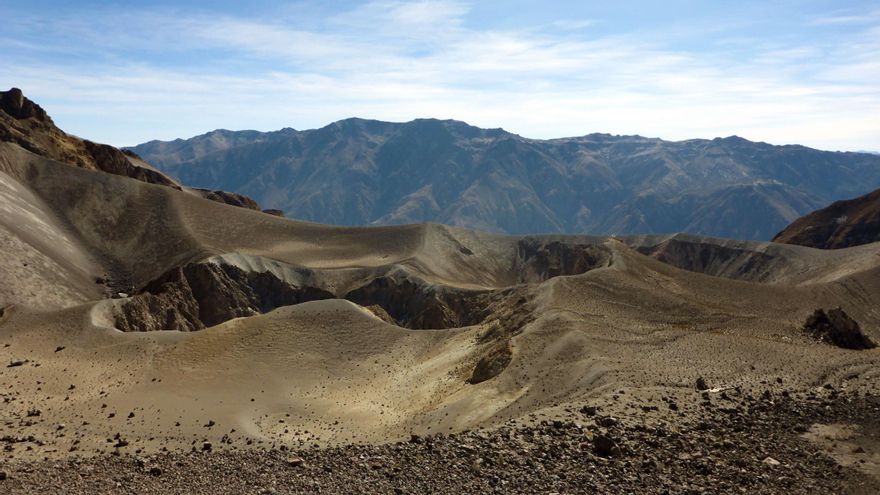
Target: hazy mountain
842 224
362 172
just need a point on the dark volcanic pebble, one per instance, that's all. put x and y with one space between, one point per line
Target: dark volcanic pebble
754 447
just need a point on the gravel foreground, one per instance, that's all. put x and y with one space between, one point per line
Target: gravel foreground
740 444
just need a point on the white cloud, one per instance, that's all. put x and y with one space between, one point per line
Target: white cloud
400 60
844 19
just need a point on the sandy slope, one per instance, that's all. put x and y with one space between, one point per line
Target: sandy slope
330 371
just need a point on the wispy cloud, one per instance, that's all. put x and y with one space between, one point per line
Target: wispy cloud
869 17
134 76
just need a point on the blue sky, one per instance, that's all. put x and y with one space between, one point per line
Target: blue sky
779 71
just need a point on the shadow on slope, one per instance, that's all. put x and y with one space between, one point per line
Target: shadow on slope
198 295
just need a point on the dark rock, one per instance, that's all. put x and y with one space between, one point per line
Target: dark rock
837 328
604 446
589 410
607 421
274 212
539 260
701 384
229 198
14 103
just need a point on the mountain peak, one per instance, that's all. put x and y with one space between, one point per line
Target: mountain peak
16 105
733 139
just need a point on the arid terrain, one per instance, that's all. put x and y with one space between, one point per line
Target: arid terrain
155 340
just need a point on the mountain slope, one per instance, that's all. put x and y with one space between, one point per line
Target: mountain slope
364 172
237 330
843 224
26 124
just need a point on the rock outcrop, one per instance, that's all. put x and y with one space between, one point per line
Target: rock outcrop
843 224
540 259
229 198
413 303
712 258
200 295
837 328
26 124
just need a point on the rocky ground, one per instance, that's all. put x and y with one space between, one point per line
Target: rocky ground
741 443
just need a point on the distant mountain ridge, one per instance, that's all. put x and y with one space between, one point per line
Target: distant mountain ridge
365 172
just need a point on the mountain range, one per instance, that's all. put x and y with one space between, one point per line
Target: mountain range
367 172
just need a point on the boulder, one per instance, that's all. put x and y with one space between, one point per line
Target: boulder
837 328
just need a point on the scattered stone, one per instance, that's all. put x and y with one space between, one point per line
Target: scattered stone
711 451
701 384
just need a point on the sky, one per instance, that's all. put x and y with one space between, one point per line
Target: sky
784 72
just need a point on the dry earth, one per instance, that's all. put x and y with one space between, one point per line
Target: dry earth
456 330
